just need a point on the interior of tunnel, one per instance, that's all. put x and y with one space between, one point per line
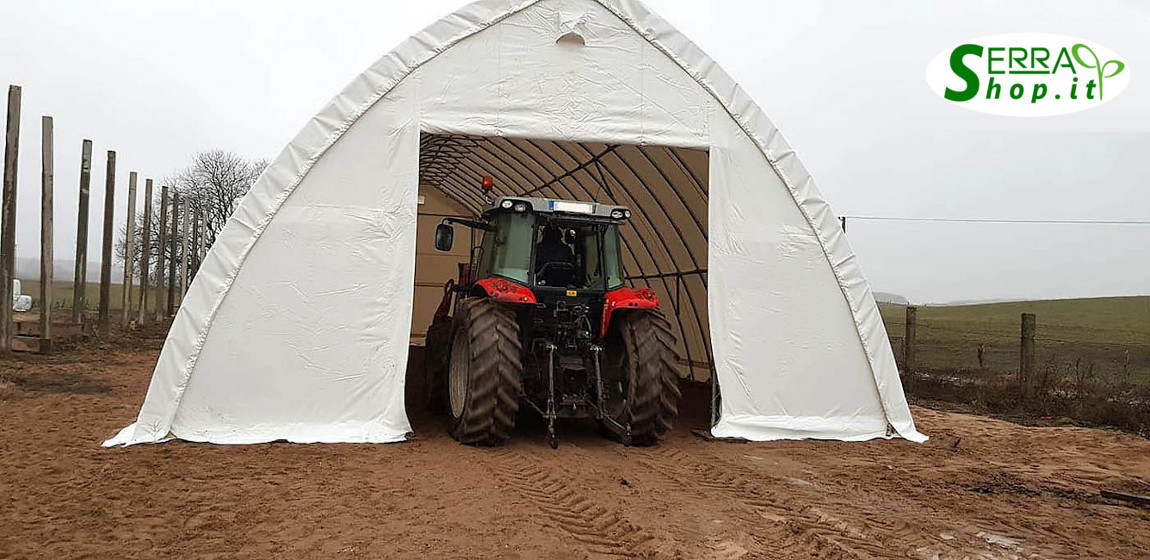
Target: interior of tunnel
664 244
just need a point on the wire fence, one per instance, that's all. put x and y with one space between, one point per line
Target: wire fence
1108 353
1089 367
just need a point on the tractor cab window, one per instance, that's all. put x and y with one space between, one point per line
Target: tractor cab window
572 256
592 265
612 258
555 259
506 251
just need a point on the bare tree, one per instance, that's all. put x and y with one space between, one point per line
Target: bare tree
213 183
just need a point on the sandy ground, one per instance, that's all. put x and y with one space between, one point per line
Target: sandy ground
981 488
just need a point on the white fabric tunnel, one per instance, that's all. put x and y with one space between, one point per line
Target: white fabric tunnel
298 325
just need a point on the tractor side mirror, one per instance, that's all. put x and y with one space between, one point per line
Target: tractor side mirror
444 237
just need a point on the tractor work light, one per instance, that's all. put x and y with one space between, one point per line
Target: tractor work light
520 207
506 204
627 214
617 214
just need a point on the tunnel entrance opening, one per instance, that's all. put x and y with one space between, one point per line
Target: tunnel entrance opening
663 245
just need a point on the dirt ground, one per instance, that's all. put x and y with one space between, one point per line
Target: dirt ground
980 488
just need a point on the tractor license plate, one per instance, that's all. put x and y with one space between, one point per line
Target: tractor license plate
572 207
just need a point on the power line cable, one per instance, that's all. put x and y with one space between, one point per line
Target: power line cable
1001 220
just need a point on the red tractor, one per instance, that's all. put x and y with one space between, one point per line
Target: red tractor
542 316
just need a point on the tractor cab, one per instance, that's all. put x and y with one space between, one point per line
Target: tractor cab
548 246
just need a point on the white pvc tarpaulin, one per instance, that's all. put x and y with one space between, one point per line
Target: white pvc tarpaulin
297 326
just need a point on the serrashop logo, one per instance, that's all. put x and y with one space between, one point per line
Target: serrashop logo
1028 74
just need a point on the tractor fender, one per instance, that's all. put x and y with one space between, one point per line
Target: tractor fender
624 299
506 291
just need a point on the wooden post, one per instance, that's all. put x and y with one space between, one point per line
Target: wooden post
129 253
908 341
163 235
145 252
80 280
172 255
104 321
196 243
203 249
47 172
8 217
1026 356
184 254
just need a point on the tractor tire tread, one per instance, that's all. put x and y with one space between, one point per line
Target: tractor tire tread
495 382
651 363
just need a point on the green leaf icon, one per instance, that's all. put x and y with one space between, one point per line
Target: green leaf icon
1119 66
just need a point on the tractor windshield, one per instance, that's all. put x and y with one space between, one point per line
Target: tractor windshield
507 250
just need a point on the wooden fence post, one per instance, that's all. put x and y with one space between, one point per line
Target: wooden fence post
909 339
104 320
172 255
184 254
1026 356
47 172
129 253
80 280
203 248
163 235
196 243
8 216
145 252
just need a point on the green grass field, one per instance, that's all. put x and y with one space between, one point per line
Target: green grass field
62 294
1072 336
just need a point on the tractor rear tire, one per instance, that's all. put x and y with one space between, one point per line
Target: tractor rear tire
644 348
485 376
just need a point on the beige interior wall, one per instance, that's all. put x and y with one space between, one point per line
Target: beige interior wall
433 268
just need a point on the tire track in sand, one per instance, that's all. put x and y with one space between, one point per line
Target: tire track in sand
689 537
599 529
870 533
795 529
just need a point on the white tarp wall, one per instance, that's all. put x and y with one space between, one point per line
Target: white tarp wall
297 327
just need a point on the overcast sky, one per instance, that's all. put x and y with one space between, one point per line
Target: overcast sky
844 81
